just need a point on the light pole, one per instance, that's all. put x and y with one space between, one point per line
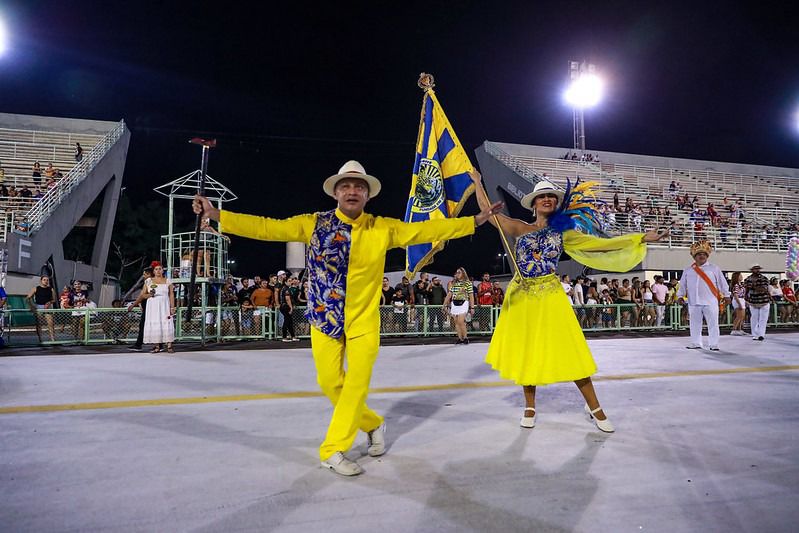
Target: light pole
503 257
585 90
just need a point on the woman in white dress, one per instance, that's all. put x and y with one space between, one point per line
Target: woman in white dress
159 327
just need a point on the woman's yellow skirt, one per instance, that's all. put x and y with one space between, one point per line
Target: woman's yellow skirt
538 339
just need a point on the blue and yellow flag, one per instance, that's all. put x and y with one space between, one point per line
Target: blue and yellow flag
440 184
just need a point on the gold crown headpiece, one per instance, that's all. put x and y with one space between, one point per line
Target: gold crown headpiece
701 246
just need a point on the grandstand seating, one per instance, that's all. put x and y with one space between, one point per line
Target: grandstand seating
20 149
770 204
33 230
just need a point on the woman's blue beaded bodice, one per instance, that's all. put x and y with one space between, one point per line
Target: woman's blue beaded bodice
538 252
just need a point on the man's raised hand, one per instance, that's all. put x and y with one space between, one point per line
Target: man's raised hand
202 206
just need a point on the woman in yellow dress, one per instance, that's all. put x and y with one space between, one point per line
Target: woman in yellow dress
538 340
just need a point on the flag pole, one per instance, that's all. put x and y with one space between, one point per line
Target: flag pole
207 144
499 228
426 83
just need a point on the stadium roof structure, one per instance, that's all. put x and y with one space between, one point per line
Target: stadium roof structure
189 185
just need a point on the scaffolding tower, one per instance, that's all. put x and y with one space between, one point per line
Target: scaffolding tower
212 264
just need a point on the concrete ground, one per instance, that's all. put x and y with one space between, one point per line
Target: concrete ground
227 441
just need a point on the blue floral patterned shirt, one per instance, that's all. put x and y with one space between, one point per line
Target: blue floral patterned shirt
328 260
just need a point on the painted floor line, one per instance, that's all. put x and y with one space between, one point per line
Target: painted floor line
85 406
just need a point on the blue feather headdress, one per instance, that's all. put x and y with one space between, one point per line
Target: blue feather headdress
579 209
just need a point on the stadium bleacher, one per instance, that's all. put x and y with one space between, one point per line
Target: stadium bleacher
35 224
19 150
765 216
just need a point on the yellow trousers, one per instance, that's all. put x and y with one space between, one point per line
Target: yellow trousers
345 390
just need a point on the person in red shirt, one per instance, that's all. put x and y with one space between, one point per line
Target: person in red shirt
790 309
485 299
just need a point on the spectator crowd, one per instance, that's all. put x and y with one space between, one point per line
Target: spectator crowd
689 219
636 303
252 306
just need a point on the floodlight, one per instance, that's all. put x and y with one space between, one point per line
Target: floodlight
585 91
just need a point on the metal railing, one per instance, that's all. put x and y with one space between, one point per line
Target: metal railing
34 151
757 188
177 252
639 180
23 327
54 196
48 137
727 236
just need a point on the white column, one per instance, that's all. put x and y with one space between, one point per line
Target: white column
295 256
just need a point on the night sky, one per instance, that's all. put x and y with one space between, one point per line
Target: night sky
293 90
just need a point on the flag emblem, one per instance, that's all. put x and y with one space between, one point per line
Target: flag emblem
429 194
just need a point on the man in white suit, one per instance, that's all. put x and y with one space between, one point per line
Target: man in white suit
706 288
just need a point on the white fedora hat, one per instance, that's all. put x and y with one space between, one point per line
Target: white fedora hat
352 169
542 187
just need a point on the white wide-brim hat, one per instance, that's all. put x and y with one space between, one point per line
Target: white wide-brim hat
352 169
542 187
755 265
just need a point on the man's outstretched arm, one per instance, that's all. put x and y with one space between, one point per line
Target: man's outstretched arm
294 229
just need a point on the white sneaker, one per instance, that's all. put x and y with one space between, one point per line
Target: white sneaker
603 425
341 465
376 440
693 347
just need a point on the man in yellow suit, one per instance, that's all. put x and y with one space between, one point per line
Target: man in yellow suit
346 257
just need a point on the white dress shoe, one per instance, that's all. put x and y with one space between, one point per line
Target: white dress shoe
377 441
603 425
341 465
528 421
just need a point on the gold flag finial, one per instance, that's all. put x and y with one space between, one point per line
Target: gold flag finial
426 81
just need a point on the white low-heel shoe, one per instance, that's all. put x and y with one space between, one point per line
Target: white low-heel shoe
528 421
603 425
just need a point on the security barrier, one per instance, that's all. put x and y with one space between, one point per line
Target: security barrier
23 327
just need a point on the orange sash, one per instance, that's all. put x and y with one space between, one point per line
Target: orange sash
713 289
